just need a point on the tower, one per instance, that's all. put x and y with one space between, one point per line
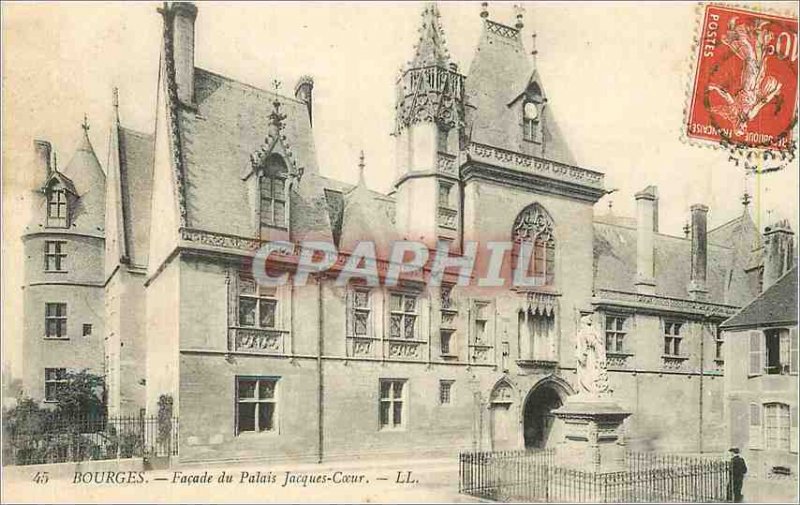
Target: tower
63 292
429 128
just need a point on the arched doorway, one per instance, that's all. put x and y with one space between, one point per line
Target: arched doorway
538 418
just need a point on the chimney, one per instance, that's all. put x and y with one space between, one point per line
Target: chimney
778 252
183 15
42 150
645 233
697 282
304 91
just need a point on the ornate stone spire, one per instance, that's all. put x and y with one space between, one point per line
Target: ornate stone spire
430 49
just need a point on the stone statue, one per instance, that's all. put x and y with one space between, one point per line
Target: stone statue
591 357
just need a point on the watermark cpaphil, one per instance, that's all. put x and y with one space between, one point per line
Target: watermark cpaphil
745 83
491 264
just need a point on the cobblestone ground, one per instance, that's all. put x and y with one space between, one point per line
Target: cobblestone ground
431 481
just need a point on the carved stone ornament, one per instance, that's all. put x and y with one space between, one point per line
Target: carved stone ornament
533 224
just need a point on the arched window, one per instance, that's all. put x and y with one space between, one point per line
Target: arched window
272 191
534 227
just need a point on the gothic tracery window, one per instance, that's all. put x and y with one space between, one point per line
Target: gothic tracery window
534 228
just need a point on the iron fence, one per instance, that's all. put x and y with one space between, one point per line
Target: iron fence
525 476
59 440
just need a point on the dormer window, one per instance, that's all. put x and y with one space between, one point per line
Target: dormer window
531 124
57 210
272 194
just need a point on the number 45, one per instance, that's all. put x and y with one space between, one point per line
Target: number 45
41 478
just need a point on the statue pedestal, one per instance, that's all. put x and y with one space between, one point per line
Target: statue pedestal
593 438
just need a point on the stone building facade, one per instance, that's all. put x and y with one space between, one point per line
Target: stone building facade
761 378
64 247
325 371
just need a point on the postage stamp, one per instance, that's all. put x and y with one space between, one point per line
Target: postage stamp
745 85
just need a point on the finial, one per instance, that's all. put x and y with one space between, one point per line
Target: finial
746 199
85 124
686 229
534 51
361 166
55 162
484 10
520 10
276 118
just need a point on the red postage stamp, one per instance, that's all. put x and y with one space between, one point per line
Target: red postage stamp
745 84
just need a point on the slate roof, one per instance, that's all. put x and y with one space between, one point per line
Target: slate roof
89 182
615 265
499 74
230 123
136 169
775 306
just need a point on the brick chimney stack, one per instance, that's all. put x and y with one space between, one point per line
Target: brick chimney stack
42 150
778 252
646 226
183 17
304 91
697 283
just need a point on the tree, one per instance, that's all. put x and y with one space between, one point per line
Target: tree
82 395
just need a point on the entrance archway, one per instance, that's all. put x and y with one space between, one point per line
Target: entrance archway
538 419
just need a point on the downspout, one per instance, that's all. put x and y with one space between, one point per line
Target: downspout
702 372
320 384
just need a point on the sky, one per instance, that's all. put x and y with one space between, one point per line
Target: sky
617 76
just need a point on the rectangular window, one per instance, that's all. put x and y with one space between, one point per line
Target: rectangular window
446 296
55 260
719 340
273 202
446 338
361 312
778 348
258 306
391 403
57 208
55 320
776 426
672 338
445 391
481 322
256 403
444 194
87 330
54 381
615 334
403 317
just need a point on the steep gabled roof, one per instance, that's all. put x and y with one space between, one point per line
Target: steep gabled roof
500 73
775 306
136 164
230 124
615 265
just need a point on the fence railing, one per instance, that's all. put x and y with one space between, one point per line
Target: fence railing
525 476
59 440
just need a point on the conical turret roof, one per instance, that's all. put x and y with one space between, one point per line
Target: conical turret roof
431 49
87 175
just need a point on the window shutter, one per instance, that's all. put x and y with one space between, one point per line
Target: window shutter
756 353
755 426
793 355
793 429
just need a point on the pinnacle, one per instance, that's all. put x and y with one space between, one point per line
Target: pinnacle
431 49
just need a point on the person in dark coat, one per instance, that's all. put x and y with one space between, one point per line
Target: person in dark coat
738 469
